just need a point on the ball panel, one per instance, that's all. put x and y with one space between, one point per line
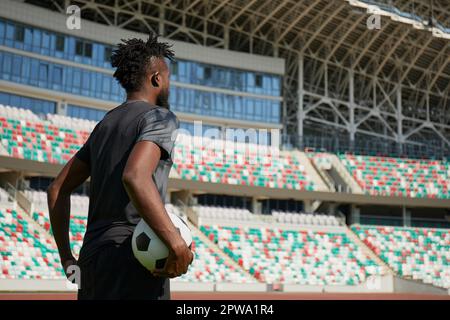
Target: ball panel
142 242
160 263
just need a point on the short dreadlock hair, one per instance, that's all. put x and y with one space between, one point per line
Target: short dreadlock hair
134 58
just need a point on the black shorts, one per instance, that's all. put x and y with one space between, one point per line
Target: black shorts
114 273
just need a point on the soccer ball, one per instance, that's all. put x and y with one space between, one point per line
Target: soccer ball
149 250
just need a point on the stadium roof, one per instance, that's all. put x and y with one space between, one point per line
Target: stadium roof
411 48
331 30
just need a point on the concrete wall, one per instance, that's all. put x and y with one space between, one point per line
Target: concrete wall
383 284
407 286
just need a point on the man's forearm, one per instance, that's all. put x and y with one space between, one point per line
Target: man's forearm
59 209
145 197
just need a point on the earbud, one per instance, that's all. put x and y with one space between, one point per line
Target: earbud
154 82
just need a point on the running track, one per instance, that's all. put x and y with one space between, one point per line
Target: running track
243 296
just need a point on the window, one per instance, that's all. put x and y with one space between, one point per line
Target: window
7 63
33 104
83 49
88 50
174 68
59 43
77 78
17 63
57 75
258 80
85 113
107 54
2 31
43 72
79 48
9 31
199 72
208 73
19 34
45 41
34 71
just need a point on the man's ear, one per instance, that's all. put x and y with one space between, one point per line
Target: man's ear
154 79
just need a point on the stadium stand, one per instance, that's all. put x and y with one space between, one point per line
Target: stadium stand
17 113
40 141
400 177
331 114
26 253
208 266
71 123
247 164
318 219
212 212
417 253
274 255
55 140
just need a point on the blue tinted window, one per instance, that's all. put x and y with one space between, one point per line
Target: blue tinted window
38 106
34 72
85 113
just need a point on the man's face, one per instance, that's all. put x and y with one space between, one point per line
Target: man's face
163 97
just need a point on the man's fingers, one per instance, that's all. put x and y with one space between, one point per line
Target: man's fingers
164 274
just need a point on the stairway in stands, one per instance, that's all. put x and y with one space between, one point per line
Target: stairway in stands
218 251
354 237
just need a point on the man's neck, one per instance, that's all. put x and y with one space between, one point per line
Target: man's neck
138 96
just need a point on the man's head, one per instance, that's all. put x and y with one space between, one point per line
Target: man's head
141 67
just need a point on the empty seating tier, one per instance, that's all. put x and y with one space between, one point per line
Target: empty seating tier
240 164
208 266
40 141
211 212
25 252
316 219
288 256
400 177
417 253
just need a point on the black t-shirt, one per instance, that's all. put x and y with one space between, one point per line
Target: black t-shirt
112 217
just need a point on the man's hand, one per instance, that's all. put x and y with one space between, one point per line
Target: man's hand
177 263
74 173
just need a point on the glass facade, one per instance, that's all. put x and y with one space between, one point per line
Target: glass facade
224 105
101 85
37 106
225 78
53 44
85 113
47 75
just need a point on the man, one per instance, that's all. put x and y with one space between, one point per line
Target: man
128 157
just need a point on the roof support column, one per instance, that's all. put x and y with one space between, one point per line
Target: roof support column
399 120
300 111
351 94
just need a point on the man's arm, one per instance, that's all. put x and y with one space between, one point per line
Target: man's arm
144 195
74 173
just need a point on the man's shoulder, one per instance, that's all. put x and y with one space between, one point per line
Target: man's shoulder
158 113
